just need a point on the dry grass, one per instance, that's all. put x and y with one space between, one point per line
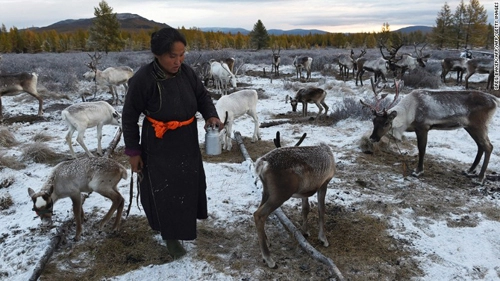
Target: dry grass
39 152
102 255
10 162
6 202
7 139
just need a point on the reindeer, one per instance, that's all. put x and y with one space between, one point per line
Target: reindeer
111 76
204 71
235 105
230 63
348 62
303 63
85 115
275 67
222 76
71 178
423 110
309 95
481 66
409 62
14 84
453 64
297 172
377 66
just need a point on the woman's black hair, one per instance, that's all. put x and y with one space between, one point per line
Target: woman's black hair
163 40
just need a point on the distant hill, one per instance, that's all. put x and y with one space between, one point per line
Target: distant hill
270 31
128 22
133 23
424 29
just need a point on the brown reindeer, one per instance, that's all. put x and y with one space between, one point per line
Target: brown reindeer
410 62
348 62
71 178
309 95
275 67
379 66
14 84
423 110
453 64
297 172
482 66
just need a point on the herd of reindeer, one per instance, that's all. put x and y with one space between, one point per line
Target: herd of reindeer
293 171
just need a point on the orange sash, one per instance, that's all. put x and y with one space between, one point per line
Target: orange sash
162 127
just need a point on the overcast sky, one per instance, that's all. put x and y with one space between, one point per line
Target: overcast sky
332 16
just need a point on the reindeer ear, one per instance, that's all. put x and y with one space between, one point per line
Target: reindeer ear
51 189
392 115
31 191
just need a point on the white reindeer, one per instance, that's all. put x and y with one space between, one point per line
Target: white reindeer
235 105
111 77
85 115
297 172
309 95
71 178
422 110
222 77
301 63
14 84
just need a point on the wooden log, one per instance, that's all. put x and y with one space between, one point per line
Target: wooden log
315 254
114 142
239 141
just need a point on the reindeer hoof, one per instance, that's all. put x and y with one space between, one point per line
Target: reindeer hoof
270 263
417 174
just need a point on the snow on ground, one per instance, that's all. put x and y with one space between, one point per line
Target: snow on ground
446 253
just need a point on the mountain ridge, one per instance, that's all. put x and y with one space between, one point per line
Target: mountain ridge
133 23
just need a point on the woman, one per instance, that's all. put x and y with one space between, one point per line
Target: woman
167 152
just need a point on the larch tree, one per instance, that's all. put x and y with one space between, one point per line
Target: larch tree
104 34
442 33
459 19
259 36
475 25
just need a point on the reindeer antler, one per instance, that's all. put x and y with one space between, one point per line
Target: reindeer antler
363 52
393 51
397 83
375 108
94 61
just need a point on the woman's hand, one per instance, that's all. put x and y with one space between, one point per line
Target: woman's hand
136 163
214 122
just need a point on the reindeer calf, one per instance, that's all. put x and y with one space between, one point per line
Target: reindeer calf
309 95
235 105
71 178
298 172
13 84
85 115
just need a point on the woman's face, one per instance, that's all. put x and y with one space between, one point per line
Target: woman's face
171 61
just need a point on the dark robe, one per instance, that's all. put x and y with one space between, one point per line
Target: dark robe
173 188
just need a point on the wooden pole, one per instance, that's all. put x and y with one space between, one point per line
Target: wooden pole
315 254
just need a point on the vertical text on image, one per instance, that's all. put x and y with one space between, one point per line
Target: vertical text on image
496 49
